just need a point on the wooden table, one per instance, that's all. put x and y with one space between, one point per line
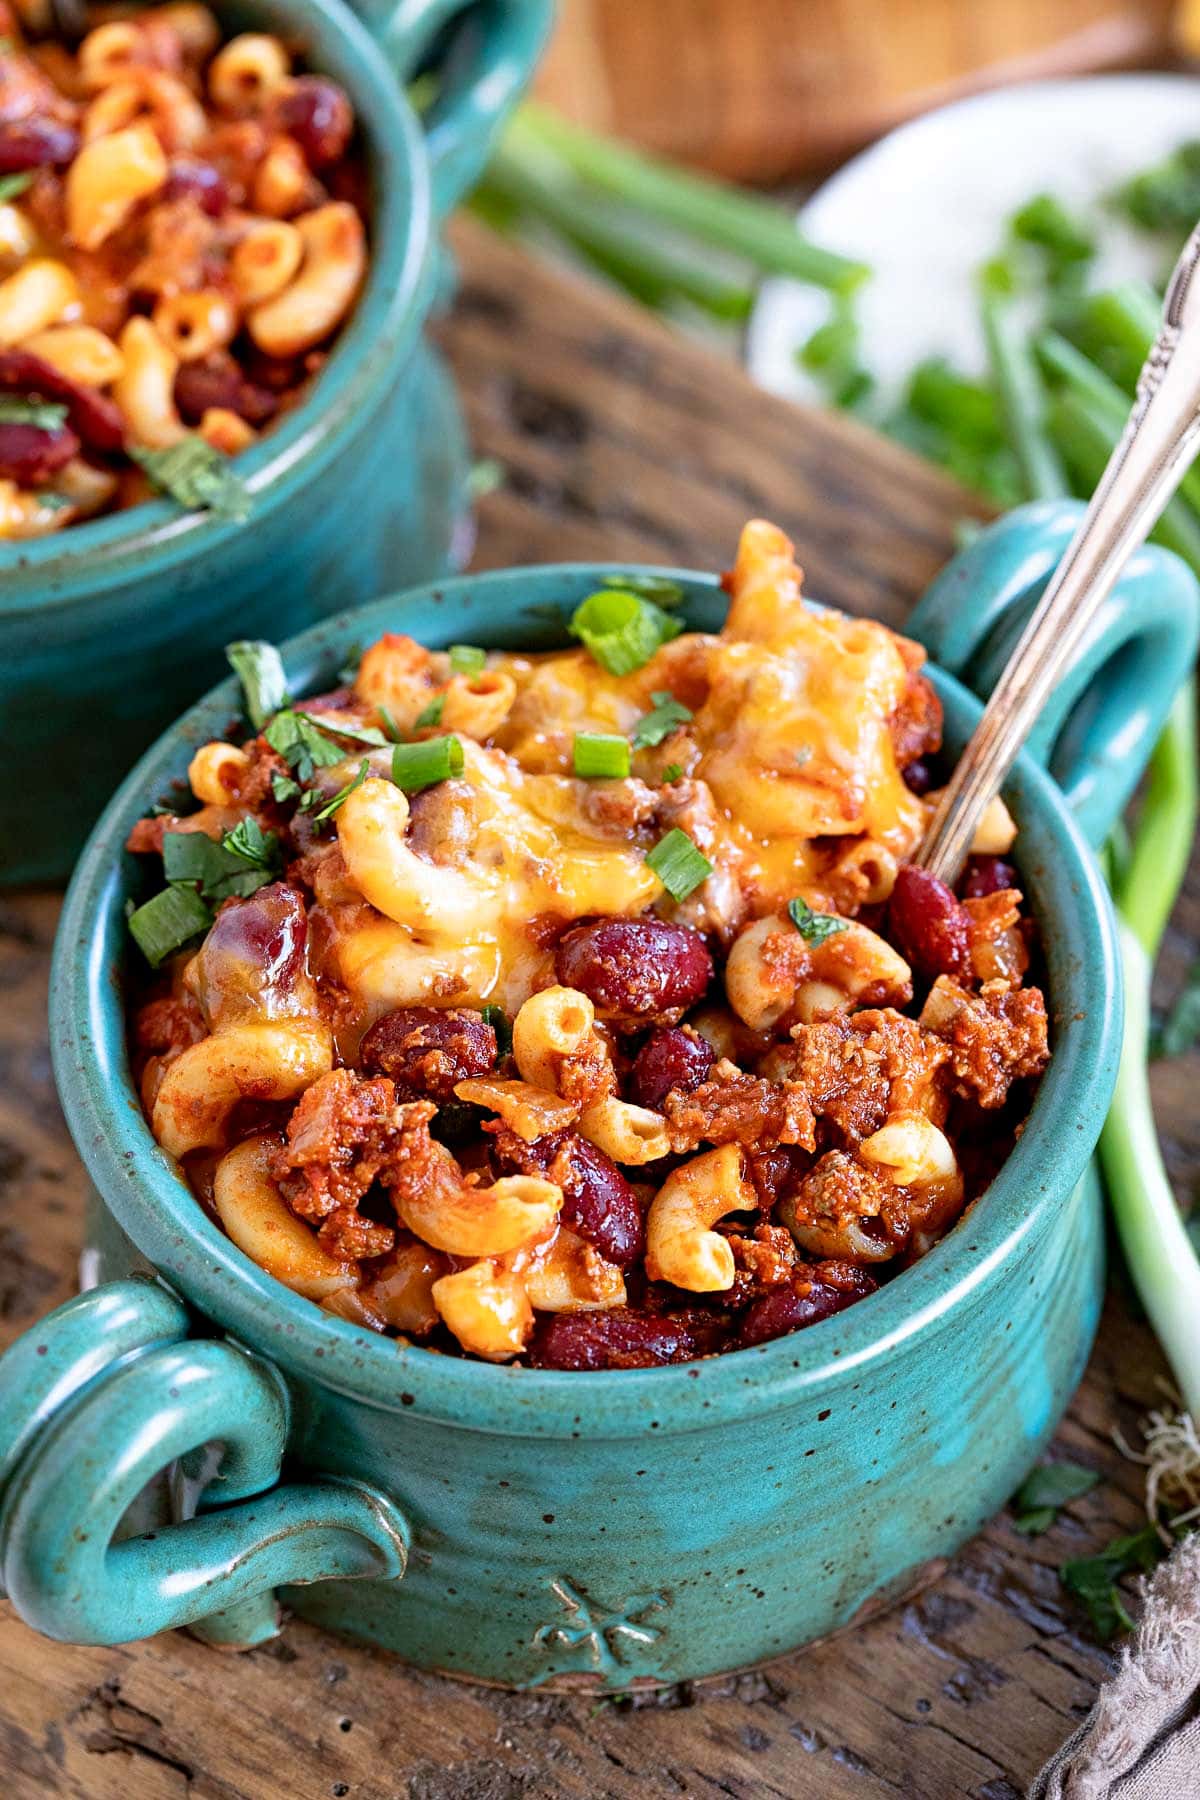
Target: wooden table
617 441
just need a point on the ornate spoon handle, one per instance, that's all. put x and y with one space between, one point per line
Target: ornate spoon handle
1156 448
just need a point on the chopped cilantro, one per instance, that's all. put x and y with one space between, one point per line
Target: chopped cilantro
668 714
196 475
259 667
284 788
302 744
814 927
343 794
1093 1579
432 714
1044 1490
356 734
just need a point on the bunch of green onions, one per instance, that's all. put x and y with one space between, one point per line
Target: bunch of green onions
668 237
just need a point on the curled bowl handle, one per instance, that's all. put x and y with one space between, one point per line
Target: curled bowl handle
1096 732
482 53
102 1396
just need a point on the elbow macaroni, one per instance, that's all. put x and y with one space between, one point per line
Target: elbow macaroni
681 1246
322 292
261 1224
206 1081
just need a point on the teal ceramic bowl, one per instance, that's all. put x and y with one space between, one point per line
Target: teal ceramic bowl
108 629
525 1527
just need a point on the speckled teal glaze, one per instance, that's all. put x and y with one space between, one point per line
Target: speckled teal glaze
638 1525
109 629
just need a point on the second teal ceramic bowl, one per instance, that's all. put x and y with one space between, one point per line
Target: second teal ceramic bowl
521 1526
108 629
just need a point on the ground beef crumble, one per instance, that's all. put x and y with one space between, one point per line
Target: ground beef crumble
733 1107
994 1038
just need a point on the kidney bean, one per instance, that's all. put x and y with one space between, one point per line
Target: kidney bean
598 1202
669 1058
93 417
279 374
30 456
622 1338
254 956
774 1172
35 144
635 968
427 1050
315 111
190 179
218 381
927 924
816 1293
986 875
918 777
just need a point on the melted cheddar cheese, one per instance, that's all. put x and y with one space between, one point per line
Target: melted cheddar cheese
789 760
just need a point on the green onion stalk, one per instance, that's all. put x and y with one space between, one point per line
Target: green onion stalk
613 203
1079 429
1158 1252
1146 872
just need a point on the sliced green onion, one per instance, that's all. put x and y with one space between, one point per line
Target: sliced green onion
417 766
259 667
43 415
601 756
653 727
467 659
167 922
713 211
659 588
678 864
814 927
621 630
391 729
432 714
672 772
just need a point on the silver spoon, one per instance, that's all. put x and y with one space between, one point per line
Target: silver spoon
1156 448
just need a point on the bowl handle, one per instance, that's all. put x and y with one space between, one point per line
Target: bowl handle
1096 734
483 53
100 1397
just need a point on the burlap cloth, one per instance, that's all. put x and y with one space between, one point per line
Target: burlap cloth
1141 1740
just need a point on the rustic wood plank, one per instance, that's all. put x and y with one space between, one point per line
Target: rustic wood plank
617 442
